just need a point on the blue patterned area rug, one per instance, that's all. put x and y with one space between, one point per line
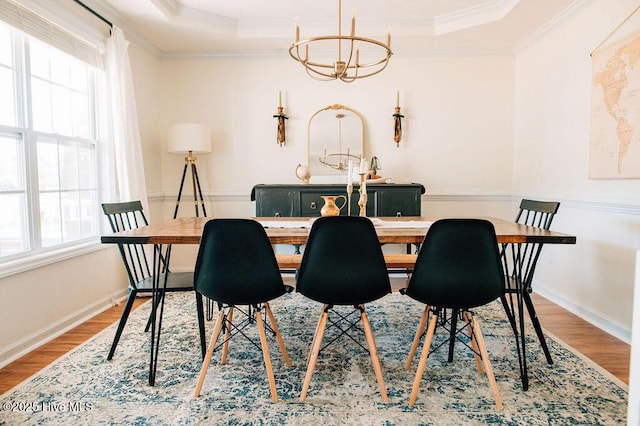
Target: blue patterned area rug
84 388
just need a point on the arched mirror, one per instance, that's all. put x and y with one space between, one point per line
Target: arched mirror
335 135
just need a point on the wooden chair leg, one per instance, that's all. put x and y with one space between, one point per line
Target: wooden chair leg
373 351
274 325
267 358
416 341
315 350
227 336
423 358
209 354
474 342
487 364
315 333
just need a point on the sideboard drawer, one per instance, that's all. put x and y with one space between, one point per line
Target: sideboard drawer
276 203
311 203
401 202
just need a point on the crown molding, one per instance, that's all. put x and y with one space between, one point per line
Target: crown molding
490 11
567 13
175 11
454 21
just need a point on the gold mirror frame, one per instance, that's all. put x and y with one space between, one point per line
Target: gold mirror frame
330 147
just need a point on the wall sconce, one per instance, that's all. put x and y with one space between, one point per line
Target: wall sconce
397 118
281 116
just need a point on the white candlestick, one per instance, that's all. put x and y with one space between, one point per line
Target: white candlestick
363 165
350 173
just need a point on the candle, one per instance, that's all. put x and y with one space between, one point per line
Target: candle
389 38
398 99
350 172
363 165
297 33
280 99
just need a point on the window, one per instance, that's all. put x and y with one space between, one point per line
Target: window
48 147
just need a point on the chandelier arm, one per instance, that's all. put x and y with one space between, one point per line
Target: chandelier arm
328 77
347 65
296 56
309 66
374 72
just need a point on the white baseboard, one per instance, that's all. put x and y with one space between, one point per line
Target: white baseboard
587 315
45 335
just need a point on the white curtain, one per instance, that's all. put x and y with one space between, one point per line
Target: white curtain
123 122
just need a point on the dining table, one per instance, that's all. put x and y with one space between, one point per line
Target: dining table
405 230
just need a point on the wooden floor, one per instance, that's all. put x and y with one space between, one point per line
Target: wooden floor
607 351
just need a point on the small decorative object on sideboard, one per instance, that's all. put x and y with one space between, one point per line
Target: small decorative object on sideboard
397 118
330 208
281 116
349 186
303 173
362 201
373 168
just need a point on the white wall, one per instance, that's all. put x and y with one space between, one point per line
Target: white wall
457 110
552 122
458 127
39 304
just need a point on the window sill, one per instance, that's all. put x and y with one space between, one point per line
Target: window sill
34 261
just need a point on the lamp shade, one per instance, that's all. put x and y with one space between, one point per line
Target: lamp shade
185 137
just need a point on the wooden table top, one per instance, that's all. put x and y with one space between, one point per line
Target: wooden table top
188 230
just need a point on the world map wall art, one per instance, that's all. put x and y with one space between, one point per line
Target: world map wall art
615 110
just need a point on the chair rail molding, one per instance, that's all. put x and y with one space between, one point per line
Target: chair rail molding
439 196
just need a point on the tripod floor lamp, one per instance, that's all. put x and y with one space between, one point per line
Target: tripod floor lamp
190 139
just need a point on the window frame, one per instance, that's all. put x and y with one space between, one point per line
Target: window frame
36 253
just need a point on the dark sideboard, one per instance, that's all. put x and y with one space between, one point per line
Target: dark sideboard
305 200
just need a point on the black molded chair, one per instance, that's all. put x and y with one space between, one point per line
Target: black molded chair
458 268
123 217
343 264
236 266
522 260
